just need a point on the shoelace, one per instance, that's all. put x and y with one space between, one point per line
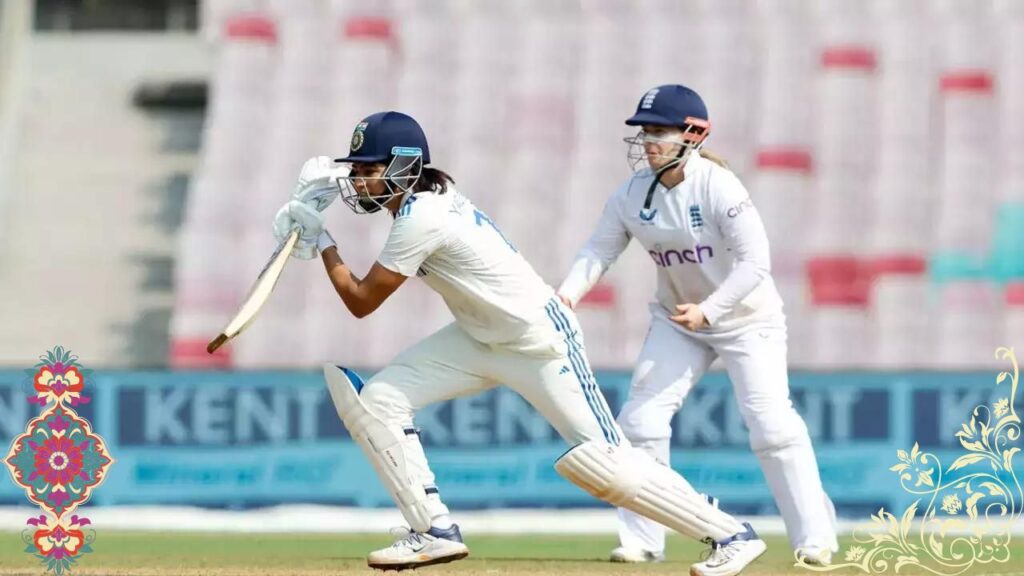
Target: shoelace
722 554
405 537
706 553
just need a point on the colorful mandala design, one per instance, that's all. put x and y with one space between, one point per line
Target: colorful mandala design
59 461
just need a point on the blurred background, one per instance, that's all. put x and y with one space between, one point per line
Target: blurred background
146 145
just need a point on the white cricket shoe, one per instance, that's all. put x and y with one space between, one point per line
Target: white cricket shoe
730 556
415 549
634 556
815 555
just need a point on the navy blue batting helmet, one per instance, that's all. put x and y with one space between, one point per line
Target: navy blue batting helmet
669 105
383 135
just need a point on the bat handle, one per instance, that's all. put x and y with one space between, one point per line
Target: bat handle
216 343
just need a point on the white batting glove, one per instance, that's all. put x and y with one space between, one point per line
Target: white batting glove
317 186
310 223
325 241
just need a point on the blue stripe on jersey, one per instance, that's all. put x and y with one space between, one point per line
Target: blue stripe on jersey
575 370
589 376
579 367
586 379
406 208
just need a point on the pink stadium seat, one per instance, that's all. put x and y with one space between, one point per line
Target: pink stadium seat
1013 331
838 280
251 28
966 199
190 354
900 315
781 190
852 58
1015 294
784 158
369 27
601 296
848 110
897 264
839 296
967 82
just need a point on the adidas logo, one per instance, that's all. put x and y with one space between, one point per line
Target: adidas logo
564 370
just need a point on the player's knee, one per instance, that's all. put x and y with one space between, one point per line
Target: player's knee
642 419
772 431
384 401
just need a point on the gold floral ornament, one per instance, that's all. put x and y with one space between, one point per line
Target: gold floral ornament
981 483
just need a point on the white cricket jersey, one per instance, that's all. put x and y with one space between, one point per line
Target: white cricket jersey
492 291
704 236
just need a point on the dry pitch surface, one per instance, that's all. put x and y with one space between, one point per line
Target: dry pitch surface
160 554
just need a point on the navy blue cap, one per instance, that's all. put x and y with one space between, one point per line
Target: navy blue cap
668 105
385 134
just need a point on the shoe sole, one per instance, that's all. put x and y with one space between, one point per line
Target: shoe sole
415 565
695 572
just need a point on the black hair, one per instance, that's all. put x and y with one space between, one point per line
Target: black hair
433 180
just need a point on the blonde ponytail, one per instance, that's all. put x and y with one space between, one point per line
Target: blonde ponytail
709 155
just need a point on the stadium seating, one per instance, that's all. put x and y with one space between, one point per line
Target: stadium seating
883 155
206 283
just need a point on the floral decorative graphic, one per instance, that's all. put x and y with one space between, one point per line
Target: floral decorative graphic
58 544
854 553
982 483
59 461
951 504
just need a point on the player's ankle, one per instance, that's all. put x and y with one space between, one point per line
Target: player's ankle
442 522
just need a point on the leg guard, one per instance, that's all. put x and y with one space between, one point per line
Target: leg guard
382 445
639 532
629 478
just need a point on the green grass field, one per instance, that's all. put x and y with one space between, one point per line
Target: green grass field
159 554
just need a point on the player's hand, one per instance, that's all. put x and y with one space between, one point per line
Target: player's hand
566 301
690 317
308 221
317 184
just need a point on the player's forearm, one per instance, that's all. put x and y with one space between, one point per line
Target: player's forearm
346 284
742 280
586 270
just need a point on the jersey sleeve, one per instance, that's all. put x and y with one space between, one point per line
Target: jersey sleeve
413 238
605 245
741 227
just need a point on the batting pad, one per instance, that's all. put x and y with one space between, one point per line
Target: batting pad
382 445
627 477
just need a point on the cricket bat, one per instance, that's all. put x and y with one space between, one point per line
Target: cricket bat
259 294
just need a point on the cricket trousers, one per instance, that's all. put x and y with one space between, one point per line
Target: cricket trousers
550 371
671 362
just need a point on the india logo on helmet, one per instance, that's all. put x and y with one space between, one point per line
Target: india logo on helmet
357 137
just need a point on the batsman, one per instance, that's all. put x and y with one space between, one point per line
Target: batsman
510 329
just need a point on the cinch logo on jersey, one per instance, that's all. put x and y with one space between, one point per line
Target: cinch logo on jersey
739 208
696 256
